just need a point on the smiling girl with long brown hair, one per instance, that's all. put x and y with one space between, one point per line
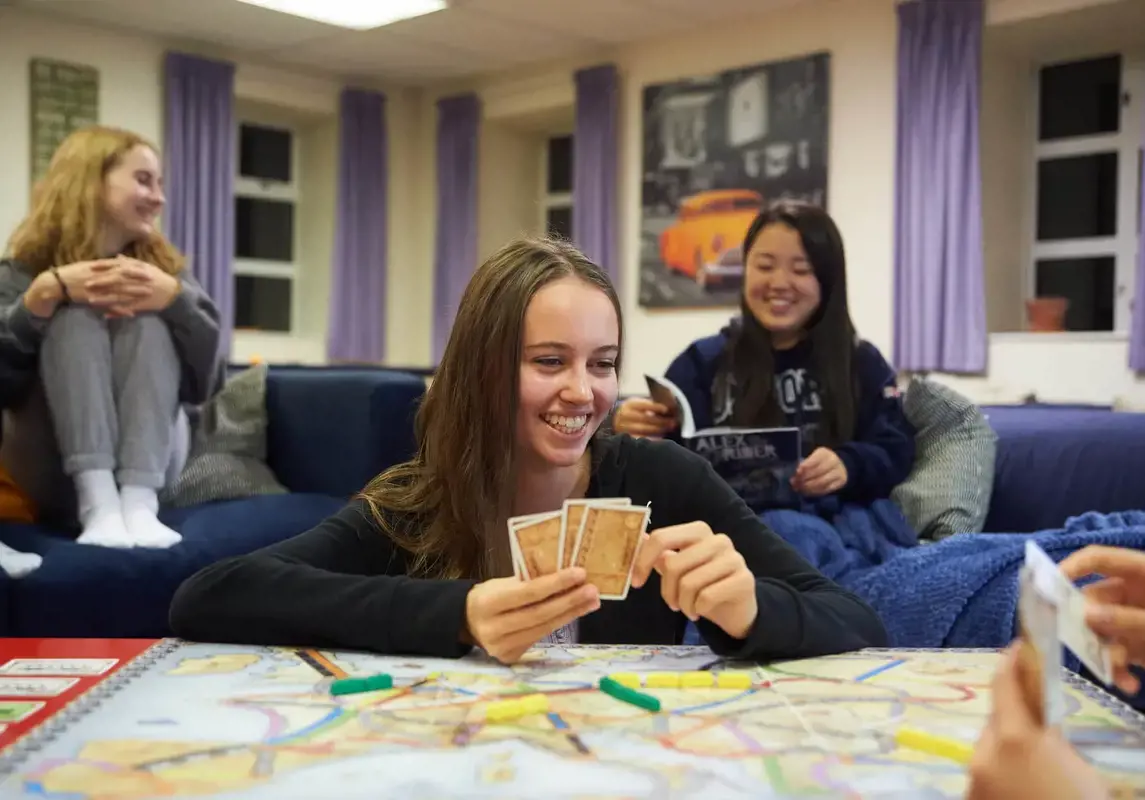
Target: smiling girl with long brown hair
511 425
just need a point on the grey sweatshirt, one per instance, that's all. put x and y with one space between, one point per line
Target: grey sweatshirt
192 319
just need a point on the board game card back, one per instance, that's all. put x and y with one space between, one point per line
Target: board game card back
607 545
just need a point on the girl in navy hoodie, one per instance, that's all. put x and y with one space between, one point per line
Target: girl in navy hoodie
793 359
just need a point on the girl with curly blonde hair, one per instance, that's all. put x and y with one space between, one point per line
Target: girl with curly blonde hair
103 336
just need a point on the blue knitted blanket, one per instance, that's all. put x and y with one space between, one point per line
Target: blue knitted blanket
958 592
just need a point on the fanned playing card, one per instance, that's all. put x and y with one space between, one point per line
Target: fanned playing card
538 542
573 511
607 544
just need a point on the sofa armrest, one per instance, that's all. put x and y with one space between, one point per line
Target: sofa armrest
332 429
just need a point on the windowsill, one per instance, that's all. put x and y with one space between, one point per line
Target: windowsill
1058 338
1063 337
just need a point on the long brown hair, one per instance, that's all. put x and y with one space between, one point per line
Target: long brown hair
66 218
444 506
748 364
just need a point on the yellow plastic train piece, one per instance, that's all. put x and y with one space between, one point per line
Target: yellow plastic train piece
517 707
733 680
629 679
662 680
685 680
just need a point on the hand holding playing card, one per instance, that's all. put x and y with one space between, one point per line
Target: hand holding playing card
701 574
507 616
1115 605
1017 756
819 474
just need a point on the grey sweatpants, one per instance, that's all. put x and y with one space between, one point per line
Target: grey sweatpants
107 398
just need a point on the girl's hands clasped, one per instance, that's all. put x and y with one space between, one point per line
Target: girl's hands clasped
507 616
701 574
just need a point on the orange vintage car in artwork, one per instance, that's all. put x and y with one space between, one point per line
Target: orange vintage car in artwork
704 242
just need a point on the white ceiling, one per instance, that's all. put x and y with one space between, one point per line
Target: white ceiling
470 37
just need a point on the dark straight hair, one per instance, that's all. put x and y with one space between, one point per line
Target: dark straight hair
748 363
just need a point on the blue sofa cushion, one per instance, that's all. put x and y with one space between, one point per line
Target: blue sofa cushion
94 591
332 429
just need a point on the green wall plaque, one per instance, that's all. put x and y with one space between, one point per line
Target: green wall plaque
64 97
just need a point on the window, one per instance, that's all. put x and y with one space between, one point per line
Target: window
556 195
266 241
1087 189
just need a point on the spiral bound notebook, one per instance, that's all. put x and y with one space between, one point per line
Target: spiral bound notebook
249 722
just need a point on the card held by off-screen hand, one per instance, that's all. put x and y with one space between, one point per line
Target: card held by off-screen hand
1038 620
1073 631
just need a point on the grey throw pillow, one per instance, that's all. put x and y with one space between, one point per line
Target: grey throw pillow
949 488
228 448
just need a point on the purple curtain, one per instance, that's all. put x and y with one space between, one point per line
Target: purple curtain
595 146
455 254
358 300
1137 327
199 141
940 306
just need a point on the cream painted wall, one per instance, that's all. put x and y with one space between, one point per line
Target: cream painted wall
1007 127
131 96
861 36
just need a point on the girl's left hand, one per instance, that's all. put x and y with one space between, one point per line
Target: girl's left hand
819 474
701 574
141 287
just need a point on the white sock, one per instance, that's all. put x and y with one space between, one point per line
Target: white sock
18 564
99 510
140 511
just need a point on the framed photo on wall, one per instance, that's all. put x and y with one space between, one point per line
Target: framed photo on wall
718 148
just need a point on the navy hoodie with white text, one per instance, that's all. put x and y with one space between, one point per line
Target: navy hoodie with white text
881 453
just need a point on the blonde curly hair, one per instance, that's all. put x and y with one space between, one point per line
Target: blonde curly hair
65 221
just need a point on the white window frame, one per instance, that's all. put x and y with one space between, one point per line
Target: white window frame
273 190
550 200
1126 142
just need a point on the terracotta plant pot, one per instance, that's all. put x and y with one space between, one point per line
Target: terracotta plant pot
1046 314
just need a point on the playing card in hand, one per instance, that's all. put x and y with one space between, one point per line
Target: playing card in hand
1038 623
536 539
573 511
607 544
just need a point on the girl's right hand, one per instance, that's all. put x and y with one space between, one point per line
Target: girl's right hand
639 416
507 616
45 294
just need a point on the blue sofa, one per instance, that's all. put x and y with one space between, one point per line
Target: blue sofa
330 429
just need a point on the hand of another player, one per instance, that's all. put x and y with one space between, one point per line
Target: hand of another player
819 474
134 287
1116 607
507 616
701 574
639 416
1017 756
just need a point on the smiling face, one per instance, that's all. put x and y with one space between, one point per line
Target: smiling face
780 286
568 380
133 195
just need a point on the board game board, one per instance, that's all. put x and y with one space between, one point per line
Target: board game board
192 720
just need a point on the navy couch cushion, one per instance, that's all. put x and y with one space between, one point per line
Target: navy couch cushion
96 591
332 429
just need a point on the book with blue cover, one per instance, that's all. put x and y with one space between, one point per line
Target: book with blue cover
758 463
